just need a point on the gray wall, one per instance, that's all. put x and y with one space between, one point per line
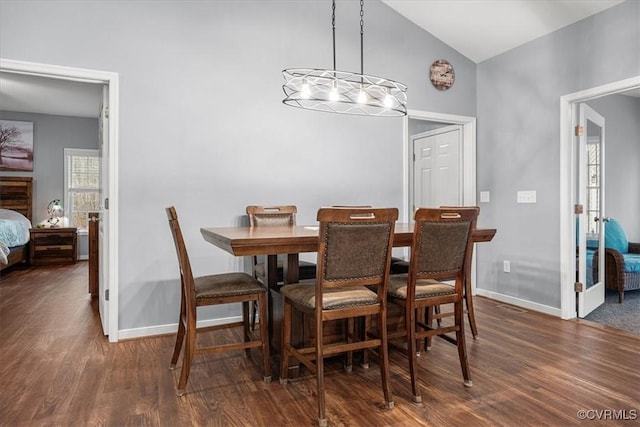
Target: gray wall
519 142
202 125
622 160
419 126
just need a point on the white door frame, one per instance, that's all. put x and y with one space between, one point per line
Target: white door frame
468 151
468 166
568 153
111 80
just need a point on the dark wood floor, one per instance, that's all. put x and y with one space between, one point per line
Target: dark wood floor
528 369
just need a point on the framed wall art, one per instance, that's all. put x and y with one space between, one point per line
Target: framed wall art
16 145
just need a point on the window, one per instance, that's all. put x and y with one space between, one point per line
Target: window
593 185
82 184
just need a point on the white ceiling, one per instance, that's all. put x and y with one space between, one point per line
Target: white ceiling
478 29
481 29
34 94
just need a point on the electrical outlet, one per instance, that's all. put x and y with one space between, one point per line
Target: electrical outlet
506 266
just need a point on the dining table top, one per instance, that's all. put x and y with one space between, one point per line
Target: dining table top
274 240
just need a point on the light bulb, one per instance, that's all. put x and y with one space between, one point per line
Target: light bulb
305 92
362 96
388 100
333 95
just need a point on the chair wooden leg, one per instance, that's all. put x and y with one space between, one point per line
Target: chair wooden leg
430 313
462 347
286 341
189 349
246 325
179 341
365 353
468 299
322 418
349 331
384 360
437 312
180 337
264 335
412 349
254 310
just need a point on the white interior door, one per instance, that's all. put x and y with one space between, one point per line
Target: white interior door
592 221
437 178
103 241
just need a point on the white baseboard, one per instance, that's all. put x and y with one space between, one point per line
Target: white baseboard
151 331
519 302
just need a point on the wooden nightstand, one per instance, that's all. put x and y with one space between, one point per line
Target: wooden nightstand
54 246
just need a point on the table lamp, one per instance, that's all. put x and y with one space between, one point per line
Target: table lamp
55 211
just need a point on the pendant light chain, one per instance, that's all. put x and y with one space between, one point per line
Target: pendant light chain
333 28
361 36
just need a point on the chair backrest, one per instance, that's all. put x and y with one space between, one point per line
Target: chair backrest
442 242
476 208
354 247
186 275
615 237
271 215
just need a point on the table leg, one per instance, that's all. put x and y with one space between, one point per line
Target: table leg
271 273
290 275
291 269
271 270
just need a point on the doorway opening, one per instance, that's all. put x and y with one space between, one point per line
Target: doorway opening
467 153
109 246
568 182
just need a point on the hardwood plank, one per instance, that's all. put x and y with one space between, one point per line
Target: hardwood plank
528 369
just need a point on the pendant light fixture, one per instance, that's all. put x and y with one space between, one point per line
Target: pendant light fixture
343 91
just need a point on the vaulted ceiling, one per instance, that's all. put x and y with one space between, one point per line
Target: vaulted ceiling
478 29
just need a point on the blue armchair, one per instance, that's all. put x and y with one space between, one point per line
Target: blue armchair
622 261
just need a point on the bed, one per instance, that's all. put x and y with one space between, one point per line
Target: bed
16 211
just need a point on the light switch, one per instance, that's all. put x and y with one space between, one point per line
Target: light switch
526 196
484 197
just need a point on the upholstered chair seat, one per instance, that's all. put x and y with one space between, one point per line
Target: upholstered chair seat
425 288
332 299
226 284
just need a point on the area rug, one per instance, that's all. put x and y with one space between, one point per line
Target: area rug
625 316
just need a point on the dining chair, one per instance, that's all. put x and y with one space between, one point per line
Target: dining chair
354 252
215 289
269 216
399 266
440 250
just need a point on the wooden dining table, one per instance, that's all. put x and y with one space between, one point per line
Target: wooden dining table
292 241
